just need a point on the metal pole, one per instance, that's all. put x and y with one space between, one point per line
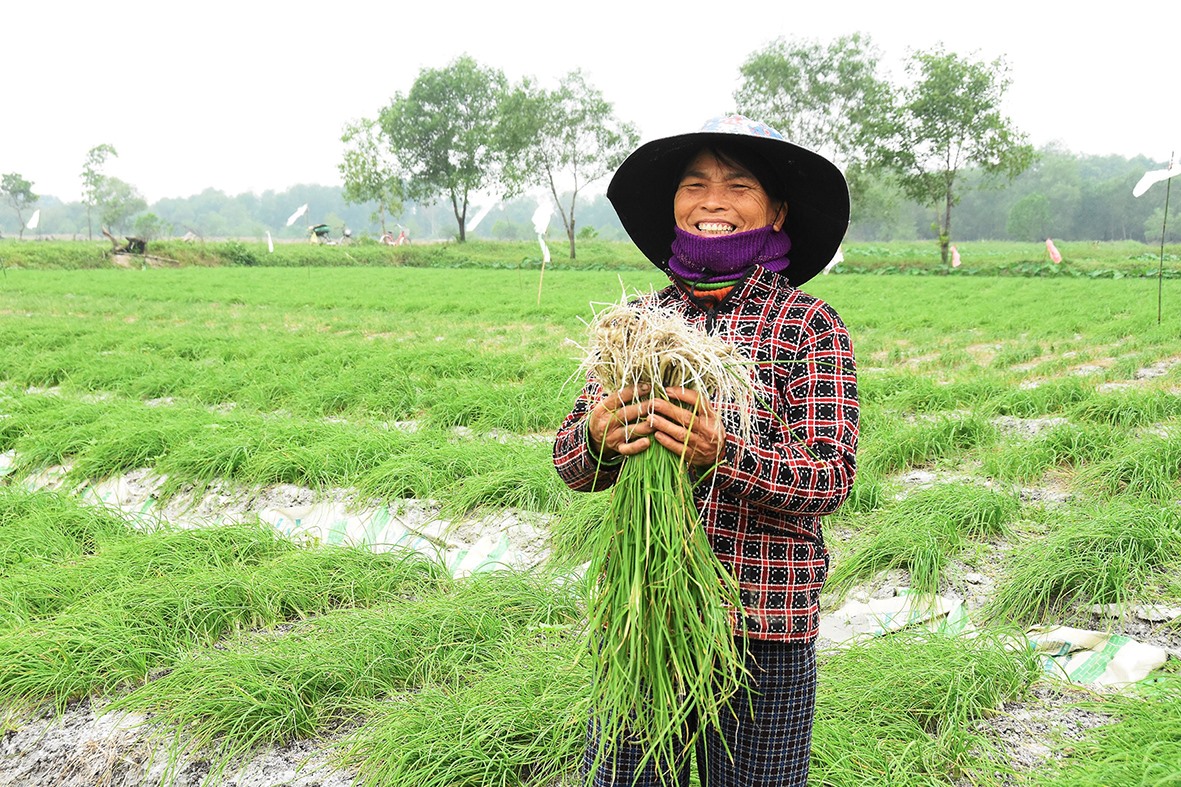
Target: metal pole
1160 271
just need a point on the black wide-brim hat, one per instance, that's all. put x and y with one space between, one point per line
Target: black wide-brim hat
816 193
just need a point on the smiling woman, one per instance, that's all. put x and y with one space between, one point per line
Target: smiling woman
718 194
711 210
725 219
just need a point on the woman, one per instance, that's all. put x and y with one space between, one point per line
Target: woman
738 217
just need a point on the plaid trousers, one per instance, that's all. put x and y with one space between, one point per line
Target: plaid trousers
768 734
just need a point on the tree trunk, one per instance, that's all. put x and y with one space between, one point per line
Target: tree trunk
567 221
570 226
460 216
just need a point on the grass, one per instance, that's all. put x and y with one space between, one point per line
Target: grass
522 723
91 626
1147 467
273 687
1096 553
894 444
445 384
1141 747
1063 445
1001 258
921 534
899 709
41 529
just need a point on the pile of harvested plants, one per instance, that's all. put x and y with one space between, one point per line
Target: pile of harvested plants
662 613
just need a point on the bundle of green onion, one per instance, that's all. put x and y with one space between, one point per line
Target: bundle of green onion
661 615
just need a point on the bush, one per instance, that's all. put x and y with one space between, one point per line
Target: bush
237 254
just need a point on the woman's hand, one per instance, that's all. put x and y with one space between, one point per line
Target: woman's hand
618 424
689 427
625 423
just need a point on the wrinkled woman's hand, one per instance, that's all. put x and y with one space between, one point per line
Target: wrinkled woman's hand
618 424
689 427
625 423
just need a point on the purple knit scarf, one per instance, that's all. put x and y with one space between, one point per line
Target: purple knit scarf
725 257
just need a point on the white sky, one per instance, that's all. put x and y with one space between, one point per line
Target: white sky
253 95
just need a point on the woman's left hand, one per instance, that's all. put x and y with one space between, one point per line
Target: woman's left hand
689 427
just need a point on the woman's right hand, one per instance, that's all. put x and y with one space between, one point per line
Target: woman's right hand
619 424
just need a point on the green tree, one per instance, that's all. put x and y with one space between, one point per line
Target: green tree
882 211
92 180
949 118
1029 218
18 193
149 226
827 97
369 173
566 139
443 135
118 201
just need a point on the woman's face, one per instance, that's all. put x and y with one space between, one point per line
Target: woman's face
716 198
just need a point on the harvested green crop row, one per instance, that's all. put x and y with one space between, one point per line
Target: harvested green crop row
1108 553
922 533
1141 747
275 686
92 625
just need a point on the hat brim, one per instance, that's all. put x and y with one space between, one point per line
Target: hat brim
817 195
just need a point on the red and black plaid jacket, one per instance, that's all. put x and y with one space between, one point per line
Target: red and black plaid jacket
762 509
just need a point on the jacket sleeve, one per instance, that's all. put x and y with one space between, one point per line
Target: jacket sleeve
576 465
802 459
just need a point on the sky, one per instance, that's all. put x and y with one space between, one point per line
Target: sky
253 95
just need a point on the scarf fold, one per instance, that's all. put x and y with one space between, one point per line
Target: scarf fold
725 257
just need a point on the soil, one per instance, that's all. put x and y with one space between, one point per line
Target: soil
84 746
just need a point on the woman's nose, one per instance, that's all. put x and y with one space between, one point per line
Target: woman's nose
714 197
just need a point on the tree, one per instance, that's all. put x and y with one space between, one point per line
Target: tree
92 180
18 193
1029 218
947 119
567 139
443 135
824 97
369 173
118 201
149 226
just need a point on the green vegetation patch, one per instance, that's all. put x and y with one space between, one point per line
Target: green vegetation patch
1113 552
898 709
921 534
1141 747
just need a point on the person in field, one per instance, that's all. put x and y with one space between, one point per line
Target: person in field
738 218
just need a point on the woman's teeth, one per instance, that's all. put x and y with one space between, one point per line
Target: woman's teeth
715 226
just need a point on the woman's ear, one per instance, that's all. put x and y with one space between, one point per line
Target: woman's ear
780 217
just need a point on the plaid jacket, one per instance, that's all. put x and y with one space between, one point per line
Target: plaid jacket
762 508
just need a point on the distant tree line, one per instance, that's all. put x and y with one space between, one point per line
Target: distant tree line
916 152
1062 195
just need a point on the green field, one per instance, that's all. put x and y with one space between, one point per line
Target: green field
1124 259
1020 450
